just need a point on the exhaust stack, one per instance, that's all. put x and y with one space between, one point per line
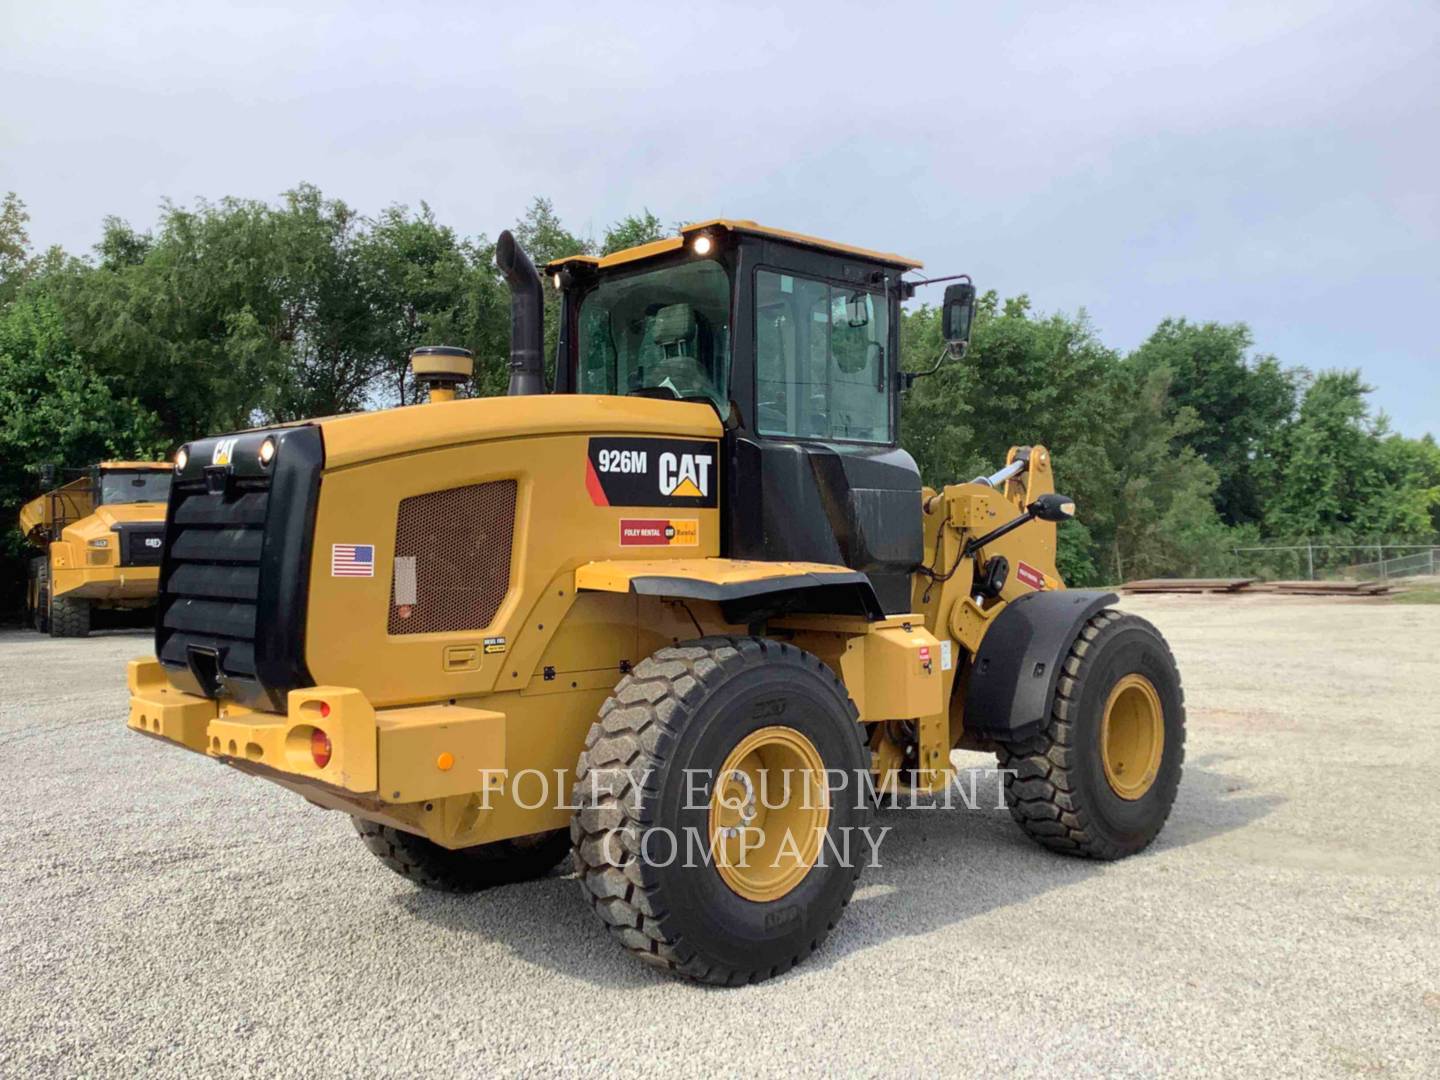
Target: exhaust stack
527 317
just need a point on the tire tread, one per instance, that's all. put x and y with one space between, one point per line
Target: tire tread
634 735
1041 791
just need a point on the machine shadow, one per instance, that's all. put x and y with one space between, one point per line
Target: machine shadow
937 867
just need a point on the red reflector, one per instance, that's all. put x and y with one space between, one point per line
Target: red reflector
324 708
320 748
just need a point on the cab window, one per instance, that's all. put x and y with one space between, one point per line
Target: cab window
150 485
665 333
820 358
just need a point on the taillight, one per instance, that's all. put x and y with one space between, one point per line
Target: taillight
324 708
320 748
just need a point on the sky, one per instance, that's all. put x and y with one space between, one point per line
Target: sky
1269 163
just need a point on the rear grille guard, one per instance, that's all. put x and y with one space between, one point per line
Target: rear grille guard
234 580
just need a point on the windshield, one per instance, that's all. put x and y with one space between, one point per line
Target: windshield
662 334
151 485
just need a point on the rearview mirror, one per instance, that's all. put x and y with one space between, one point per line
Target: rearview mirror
857 312
957 313
1053 507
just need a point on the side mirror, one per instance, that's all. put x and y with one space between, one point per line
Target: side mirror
1053 507
857 313
47 476
957 313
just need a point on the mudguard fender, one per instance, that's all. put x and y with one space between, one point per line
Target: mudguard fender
1017 667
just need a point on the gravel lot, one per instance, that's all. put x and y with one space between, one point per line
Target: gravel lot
162 913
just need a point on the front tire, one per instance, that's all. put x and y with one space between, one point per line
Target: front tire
1100 780
684 762
463 870
69 617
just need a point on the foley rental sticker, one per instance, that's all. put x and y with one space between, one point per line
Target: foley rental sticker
1028 575
659 532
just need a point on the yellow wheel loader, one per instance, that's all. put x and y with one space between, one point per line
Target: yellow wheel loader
98 540
687 614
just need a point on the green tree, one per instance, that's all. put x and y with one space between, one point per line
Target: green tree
1342 475
1240 406
632 231
55 407
16 259
1144 504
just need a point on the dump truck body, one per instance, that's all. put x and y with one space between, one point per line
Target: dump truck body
98 540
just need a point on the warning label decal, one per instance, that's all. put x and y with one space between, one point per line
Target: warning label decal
659 532
1028 575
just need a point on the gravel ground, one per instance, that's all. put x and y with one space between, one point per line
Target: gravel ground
161 913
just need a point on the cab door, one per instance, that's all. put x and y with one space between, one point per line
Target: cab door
816 471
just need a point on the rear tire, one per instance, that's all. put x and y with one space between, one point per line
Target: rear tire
42 595
463 870
1058 785
646 792
69 617
32 594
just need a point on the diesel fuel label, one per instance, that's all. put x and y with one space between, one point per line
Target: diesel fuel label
667 532
652 472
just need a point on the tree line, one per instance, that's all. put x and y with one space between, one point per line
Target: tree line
240 312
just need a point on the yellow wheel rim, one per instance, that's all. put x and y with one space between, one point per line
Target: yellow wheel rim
1132 736
768 813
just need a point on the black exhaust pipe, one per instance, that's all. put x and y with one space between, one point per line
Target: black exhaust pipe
527 317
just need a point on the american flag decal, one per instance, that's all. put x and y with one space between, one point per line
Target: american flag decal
352 560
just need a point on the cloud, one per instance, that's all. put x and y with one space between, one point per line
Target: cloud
1268 163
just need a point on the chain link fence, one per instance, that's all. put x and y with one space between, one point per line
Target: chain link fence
1324 560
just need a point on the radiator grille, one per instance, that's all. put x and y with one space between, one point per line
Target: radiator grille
209 597
140 542
460 542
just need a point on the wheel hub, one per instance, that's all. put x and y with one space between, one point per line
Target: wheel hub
1132 736
769 809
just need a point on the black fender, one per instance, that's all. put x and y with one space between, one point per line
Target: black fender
1013 679
813 593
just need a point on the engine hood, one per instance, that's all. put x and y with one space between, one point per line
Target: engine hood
102 521
361 437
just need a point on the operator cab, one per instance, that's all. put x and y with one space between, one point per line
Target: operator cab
794 341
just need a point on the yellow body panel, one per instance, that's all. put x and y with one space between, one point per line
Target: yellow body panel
557 529
94 573
71 502
456 425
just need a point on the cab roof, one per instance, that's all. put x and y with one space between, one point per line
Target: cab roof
735 225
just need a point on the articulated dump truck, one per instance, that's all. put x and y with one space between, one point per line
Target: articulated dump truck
687 616
98 541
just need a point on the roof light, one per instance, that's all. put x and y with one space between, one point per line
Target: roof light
701 245
182 459
267 451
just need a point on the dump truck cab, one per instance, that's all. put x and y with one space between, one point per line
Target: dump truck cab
98 540
622 604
